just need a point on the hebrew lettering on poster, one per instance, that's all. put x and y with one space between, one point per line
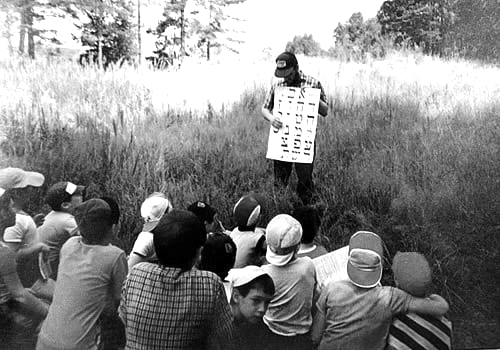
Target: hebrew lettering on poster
297 109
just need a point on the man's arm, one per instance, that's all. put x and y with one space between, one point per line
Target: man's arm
275 120
323 108
323 102
434 305
267 110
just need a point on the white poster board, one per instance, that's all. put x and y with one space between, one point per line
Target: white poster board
332 266
297 109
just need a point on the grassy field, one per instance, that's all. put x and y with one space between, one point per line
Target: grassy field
410 150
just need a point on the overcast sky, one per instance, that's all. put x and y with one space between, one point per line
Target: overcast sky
271 23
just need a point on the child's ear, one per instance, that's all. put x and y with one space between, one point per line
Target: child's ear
236 295
65 205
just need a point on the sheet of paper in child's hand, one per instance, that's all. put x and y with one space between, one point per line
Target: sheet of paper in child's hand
332 266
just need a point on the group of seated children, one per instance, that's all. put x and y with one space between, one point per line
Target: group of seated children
188 283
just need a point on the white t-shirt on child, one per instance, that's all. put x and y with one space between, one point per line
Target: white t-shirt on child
289 312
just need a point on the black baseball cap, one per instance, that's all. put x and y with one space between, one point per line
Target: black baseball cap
285 63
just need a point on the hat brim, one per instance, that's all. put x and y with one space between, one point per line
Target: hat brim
281 73
364 279
80 190
31 178
149 226
278 260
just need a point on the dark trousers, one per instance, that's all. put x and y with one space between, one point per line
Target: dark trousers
297 342
305 186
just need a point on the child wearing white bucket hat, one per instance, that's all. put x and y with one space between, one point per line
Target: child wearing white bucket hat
357 313
289 316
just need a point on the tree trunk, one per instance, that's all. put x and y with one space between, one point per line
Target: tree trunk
139 42
31 39
22 30
208 50
183 34
99 49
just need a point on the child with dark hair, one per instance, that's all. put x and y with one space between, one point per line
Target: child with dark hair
208 215
171 305
218 256
250 240
310 221
412 331
59 225
251 291
91 274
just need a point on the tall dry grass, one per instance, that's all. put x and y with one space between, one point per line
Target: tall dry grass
411 150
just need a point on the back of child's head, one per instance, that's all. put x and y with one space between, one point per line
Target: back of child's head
94 220
203 211
61 192
154 207
364 264
115 209
310 221
218 254
177 238
246 212
412 273
251 277
283 236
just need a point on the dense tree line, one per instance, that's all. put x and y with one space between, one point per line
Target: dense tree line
436 27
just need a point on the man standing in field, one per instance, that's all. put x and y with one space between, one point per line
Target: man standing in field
287 67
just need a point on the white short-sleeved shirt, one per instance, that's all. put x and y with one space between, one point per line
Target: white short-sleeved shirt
23 232
144 246
289 312
57 228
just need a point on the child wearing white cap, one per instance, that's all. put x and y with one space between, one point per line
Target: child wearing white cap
357 313
16 302
152 210
288 316
22 238
251 290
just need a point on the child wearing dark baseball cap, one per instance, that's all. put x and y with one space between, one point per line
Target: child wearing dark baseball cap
357 313
208 215
250 239
59 224
412 273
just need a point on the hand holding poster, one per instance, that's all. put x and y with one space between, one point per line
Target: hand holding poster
297 109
